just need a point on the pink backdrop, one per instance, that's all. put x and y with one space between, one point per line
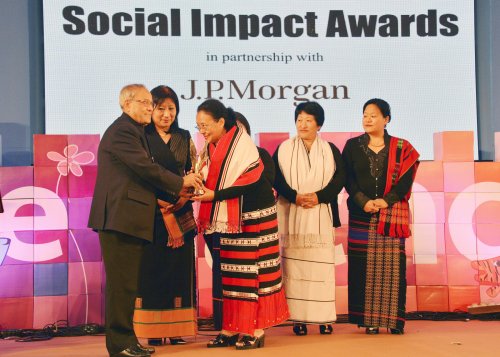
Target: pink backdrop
50 262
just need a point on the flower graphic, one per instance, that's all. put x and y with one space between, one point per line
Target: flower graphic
488 274
71 160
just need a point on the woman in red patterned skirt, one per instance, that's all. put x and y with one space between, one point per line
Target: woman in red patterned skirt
238 204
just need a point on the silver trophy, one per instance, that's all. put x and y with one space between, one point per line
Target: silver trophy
201 161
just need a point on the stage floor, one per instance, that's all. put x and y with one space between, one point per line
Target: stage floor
422 338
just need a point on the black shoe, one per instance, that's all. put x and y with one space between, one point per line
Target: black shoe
396 331
248 342
177 341
300 329
151 350
223 341
156 341
371 331
132 351
325 329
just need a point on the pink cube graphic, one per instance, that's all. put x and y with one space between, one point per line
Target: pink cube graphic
337 138
51 246
460 207
53 214
411 274
463 296
78 212
86 146
48 150
83 186
430 239
461 271
411 298
458 176
270 141
429 177
432 298
487 207
84 309
341 271
16 247
49 309
428 207
51 180
428 273
16 182
16 281
341 301
17 313
487 172
460 239
84 278
454 146
83 245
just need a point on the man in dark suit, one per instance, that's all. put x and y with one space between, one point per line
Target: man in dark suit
123 209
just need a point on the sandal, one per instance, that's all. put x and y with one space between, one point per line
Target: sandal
371 331
300 329
222 340
248 342
325 329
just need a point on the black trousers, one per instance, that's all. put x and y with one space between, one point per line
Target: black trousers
122 255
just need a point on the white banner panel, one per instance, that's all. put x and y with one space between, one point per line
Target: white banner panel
264 57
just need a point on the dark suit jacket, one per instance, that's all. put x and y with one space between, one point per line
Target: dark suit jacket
127 179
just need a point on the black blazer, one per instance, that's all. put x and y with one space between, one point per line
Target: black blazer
127 179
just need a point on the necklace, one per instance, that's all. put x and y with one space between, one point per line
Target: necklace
377 146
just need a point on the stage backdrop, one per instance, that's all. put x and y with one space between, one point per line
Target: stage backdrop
51 267
262 58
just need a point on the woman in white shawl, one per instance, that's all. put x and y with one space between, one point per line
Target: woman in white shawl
309 175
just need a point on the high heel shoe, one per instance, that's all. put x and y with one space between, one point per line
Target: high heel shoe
325 329
223 341
300 329
371 331
177 341
156 341
396 331
248 342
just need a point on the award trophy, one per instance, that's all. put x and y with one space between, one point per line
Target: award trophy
201 161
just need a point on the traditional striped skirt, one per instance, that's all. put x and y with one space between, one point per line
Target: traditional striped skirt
309 278
376 276
166 302
253 297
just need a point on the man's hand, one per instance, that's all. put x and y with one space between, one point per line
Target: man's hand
180 203
169 207
193 180
186 192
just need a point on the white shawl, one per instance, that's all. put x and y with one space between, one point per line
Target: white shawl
305 173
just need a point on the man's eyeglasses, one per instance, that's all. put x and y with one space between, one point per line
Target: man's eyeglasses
145 102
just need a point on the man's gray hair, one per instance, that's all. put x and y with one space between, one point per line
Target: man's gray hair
128 92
